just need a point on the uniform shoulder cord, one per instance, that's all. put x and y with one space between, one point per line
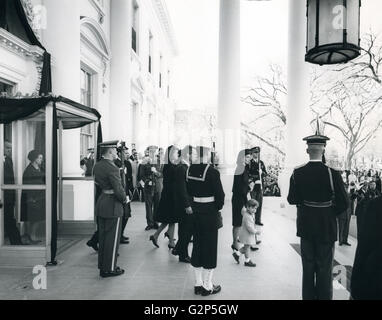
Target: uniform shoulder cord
331 182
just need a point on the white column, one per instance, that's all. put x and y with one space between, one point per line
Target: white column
229 89
120 94
62 40
298 114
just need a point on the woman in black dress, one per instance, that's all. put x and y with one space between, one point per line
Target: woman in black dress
240 190
33 201
166 213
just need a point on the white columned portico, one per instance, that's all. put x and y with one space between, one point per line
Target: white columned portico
62 39
229 140
120 95
298 114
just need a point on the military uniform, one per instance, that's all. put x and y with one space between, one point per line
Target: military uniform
206 191
319 193
126 207
109 211
258 178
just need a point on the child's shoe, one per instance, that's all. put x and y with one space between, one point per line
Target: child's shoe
236 257
250 264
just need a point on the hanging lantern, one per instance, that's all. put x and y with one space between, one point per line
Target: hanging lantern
333 34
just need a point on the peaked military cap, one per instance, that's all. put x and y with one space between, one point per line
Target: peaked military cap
256 149
109 144
317 138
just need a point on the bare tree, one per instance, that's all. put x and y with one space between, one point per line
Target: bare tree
348 98
353 112
267 96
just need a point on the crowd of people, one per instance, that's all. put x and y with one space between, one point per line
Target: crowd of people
178 186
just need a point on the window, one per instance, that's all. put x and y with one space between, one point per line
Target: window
160 71
151 52
134 31
5 88
87 132
168 84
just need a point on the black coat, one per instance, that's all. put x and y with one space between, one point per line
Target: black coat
166 210
33 201
9 179
311 183
366 281
182 198
240 190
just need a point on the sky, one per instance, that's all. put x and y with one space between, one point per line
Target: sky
264 36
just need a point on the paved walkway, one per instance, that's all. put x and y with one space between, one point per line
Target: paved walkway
156 274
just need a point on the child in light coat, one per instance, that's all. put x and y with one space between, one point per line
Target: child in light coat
248 232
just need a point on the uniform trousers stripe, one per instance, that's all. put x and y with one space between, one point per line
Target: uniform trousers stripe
115 244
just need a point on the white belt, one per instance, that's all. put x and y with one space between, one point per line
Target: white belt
204 199
257 182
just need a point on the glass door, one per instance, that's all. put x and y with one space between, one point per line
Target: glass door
25 174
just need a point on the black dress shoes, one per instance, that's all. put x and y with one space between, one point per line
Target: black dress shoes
185 259
148 228
92 244
215 290
124 241
175 252
108 274
154 241
198 290
125 238
254 249
259 224
347 244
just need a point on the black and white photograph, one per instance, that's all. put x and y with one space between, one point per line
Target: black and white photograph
190 152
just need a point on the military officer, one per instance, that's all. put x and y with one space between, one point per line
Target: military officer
257 172
109 209
207 195
319 194
120 163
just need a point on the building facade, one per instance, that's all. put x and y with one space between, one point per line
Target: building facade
93 66
111 55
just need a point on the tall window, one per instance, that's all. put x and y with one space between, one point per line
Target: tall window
87 134
134 31
160 71
168 84
151 52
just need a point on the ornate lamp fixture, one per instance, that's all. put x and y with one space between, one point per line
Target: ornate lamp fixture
333 34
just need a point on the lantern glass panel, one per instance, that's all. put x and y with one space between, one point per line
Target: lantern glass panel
353 21
332 21
312 21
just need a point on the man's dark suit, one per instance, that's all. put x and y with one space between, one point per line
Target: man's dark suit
258 179
310 189
366 281
10 227
182 201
